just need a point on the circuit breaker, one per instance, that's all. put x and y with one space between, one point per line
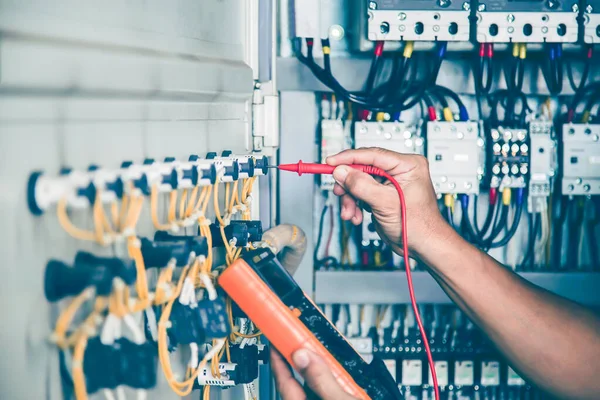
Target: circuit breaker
334 139
395 136
543 164
424 20
591 22
581 159
456 155
510 158
507 21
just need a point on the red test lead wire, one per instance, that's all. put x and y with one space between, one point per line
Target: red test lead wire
324 169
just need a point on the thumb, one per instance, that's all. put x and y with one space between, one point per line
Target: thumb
318 377
360 185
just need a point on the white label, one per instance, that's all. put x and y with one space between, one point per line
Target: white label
461 157
463 373
490 373
391 366
412 372
594 160
441 370
514 379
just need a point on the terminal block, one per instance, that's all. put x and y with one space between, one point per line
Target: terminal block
419 20
581 159
591 22
395 136
333 140
456 155
543 164
548 21
510 158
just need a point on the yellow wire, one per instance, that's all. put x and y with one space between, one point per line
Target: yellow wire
180 388
67 225
154 210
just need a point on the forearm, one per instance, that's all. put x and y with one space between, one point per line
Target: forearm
553 342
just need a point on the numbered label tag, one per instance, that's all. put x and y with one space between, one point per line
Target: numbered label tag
514 379
463 373
441 370
490 373
412 372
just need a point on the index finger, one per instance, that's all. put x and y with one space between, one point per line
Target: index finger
392 162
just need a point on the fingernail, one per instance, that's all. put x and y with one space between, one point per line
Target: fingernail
340 174
343 212
301 359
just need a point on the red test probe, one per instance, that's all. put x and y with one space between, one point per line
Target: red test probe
324 169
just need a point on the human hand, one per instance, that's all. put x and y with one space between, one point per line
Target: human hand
411 172
315 373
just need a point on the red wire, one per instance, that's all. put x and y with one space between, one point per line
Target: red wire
378 172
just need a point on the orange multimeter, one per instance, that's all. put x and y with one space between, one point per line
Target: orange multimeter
267 293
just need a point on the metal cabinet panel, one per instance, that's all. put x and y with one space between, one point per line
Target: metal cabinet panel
83 82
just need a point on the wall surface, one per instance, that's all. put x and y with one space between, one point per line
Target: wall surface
85 82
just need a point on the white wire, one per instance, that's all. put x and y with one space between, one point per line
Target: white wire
210 288
141 394
138 335
121 393
108 394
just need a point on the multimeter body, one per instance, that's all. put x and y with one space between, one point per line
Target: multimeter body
289 319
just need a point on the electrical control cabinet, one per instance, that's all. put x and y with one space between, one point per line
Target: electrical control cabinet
395 136
510 158
419 20
543 165
581 159
508 21
456 155
591 22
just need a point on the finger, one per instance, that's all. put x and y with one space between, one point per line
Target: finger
357 218
287 386
318 376
393 162
348 207
338 190
360 185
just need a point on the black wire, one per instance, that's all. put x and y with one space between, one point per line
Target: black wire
590 233
497 226
558 218
409 97
316 260
512 230
574 223
487 222
534 227
375 63
584 75
470 233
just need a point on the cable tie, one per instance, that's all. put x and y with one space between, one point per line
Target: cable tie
128 232
76 364
174 228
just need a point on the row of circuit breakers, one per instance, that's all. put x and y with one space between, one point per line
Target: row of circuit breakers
494 21
460 160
